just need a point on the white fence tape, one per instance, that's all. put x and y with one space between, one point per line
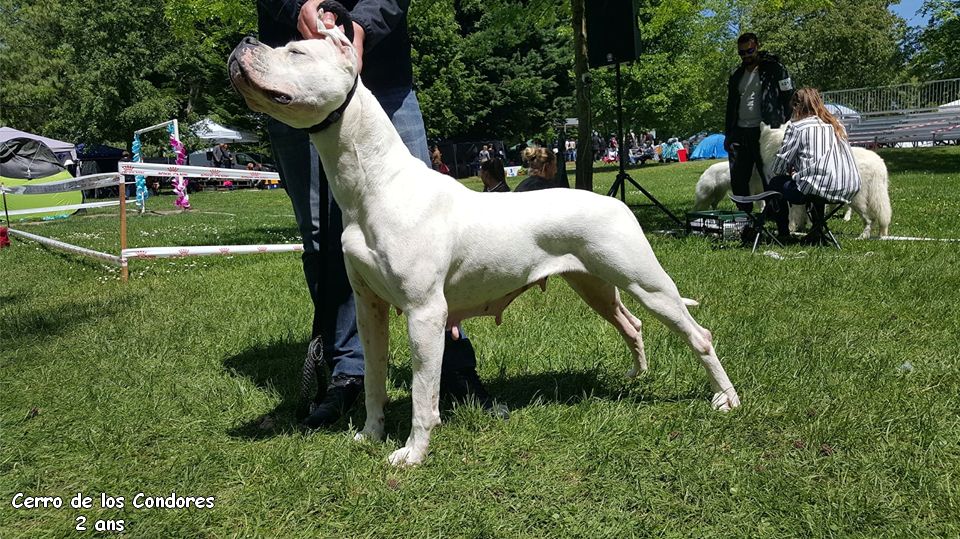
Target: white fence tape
56 244
910 238
91 181
208 250
83 206
158 169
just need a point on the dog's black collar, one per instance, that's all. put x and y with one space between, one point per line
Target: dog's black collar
337 114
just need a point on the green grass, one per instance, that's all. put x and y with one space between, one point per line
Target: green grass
162 385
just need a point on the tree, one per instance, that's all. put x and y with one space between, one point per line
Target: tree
96 75
847 44
485 70
936 47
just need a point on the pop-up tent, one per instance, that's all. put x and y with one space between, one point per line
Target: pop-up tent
27 161
60 149
710 147
210 130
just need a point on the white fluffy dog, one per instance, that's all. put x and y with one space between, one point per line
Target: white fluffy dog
872 203
441 252
714 184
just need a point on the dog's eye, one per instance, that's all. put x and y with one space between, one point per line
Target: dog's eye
297 52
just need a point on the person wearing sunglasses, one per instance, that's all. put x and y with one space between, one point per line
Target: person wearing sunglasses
759 90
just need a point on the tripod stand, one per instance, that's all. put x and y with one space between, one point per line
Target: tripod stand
620 183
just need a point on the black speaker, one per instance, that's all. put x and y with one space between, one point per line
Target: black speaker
613 36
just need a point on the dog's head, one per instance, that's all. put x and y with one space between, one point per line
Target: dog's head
299 84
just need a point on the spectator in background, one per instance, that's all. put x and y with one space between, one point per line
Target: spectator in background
484 154
670 149
436 159
571 150
542 166
493 176
222 157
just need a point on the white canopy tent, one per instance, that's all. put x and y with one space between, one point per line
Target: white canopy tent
60 148
210 130
950 107
841 112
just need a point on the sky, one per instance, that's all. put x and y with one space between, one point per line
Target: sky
908 10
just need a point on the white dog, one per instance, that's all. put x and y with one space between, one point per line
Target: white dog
714 184
441 252
872 203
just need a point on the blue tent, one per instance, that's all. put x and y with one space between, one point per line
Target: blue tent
710 148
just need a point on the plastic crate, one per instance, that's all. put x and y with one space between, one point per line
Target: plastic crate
723 224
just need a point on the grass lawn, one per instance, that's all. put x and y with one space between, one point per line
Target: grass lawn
185 380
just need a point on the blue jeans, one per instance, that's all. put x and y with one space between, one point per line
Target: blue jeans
321 225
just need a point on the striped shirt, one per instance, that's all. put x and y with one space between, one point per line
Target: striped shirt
820 163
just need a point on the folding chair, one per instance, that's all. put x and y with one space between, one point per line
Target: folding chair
758 219
820 233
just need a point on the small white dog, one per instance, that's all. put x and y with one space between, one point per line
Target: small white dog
442 253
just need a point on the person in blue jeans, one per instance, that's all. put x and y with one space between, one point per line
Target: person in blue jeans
383 45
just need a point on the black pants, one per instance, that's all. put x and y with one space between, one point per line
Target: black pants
744 159
793 194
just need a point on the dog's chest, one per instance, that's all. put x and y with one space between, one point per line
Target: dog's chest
384 266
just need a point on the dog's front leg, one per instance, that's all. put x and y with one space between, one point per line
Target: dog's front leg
425 327
373 327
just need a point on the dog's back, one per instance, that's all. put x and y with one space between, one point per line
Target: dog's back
712 186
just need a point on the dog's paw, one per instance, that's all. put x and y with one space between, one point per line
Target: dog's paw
637 370
406 456
725 401
369 434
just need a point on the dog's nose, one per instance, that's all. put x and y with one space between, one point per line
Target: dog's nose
249 41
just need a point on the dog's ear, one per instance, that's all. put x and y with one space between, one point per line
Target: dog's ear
343 43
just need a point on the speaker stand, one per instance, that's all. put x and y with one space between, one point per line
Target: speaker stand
620 183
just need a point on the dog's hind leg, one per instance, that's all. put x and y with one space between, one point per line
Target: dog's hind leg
425 325
373 328
659 295
666 304
605 300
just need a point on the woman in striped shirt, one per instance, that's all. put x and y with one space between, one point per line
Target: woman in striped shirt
815 164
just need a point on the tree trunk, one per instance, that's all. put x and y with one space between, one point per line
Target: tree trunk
582 76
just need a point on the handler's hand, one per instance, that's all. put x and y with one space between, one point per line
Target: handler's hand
310 18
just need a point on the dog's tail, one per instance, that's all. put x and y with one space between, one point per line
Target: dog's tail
690 302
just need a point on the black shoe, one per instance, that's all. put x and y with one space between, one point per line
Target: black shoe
340 398
464 385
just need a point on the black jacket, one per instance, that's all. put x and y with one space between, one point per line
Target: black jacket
776 90
536 183
386 44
